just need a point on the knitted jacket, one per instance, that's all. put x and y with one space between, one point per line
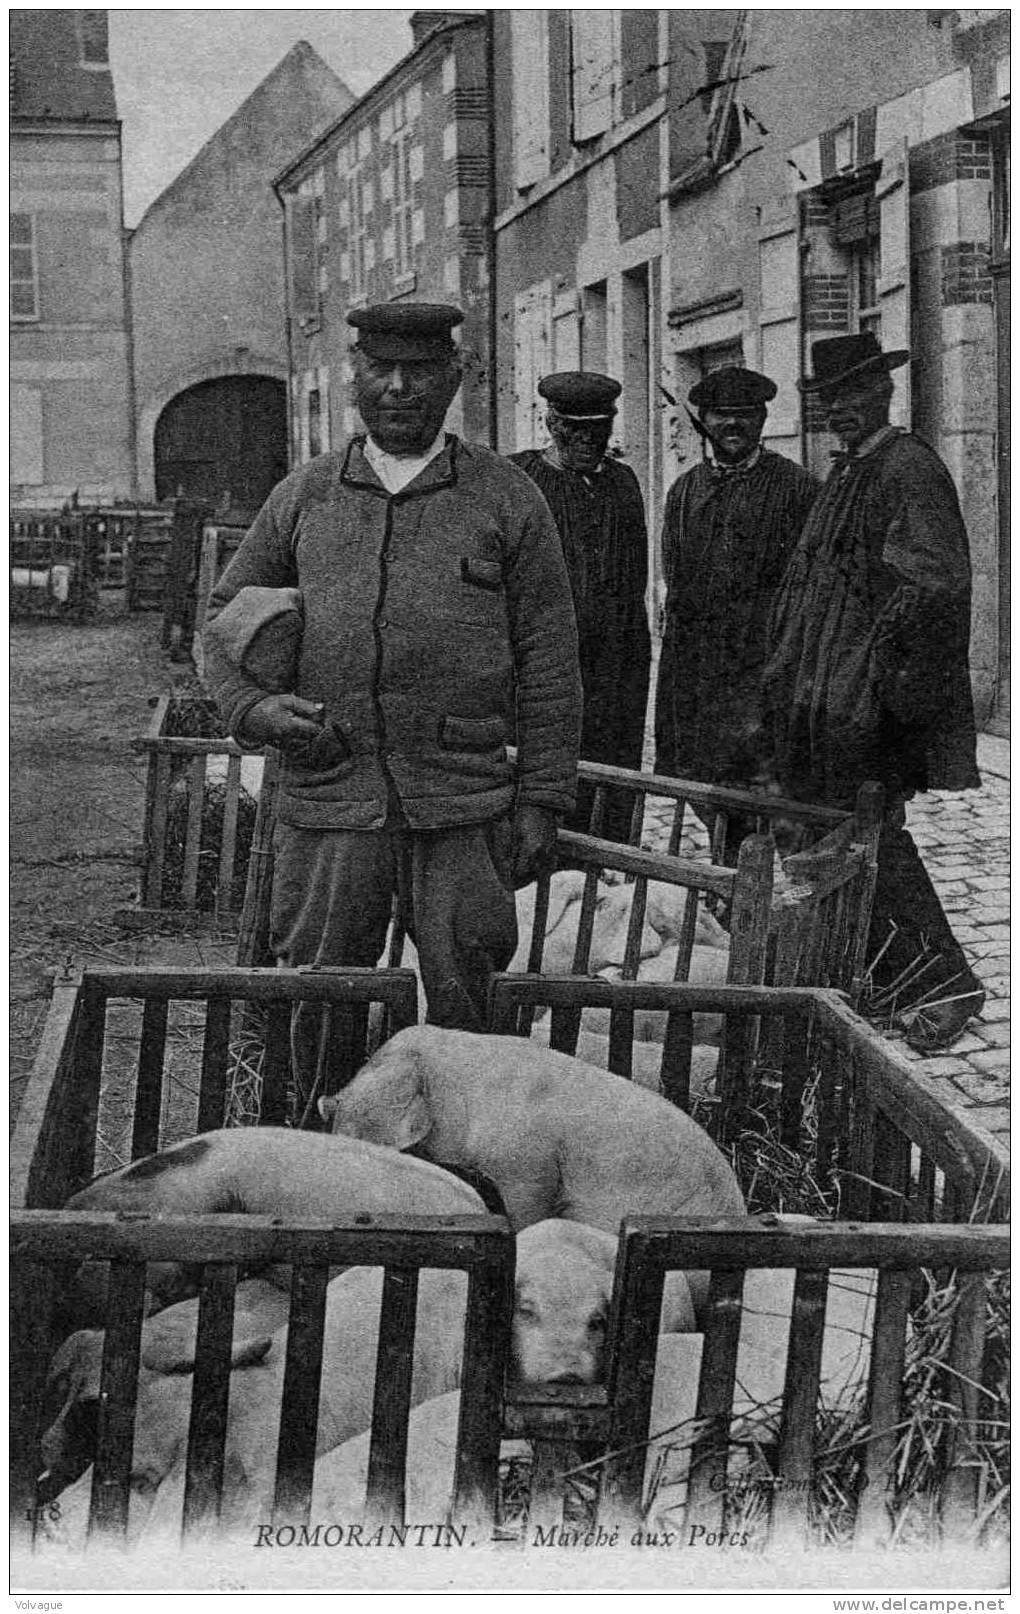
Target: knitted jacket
438 628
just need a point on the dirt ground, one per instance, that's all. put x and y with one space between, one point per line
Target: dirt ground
79 694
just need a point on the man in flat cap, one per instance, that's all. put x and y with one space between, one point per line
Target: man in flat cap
868 676
729 528
596 503
437 629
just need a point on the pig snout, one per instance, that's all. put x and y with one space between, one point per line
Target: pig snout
553 1349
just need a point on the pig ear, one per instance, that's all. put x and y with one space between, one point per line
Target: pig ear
327 1108
415 1119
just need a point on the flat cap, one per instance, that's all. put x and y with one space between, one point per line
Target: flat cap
732 387
406 330
581 394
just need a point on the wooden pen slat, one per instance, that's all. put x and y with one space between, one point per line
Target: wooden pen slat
387 1452
149 1084
302 1390
111 1470
212 1089
207 1428
193 836
228 841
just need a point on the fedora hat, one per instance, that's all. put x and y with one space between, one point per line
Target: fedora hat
838 358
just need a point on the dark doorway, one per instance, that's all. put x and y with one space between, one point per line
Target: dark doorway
223 442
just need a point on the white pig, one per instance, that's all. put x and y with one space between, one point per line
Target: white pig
350 1340
562 1298
646 1057
557 1137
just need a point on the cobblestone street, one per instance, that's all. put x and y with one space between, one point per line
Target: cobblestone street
964 840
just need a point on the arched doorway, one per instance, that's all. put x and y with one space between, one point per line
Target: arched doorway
223 438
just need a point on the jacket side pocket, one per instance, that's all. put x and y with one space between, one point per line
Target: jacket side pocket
471 733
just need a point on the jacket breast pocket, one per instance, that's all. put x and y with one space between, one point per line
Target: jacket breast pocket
483 574
471 733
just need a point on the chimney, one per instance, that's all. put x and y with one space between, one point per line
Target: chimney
425 22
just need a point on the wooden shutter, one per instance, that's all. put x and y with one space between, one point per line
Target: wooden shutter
532 345
529 62
592 72
893 195
566 350
26 435
779 319
302 256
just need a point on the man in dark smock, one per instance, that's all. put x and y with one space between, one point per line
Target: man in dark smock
597 506
868 677
730 526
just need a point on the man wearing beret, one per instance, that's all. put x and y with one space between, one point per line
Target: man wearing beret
729 528
869 678
597 505
437 629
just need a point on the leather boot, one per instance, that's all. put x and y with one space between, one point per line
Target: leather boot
935 1025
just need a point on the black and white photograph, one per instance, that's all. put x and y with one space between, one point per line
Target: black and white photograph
509 603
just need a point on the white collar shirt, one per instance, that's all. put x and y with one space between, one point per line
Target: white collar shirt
395 471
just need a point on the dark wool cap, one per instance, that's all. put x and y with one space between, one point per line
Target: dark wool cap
732 387
581 394
406 330
838 358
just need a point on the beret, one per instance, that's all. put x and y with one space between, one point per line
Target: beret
406 330
580 393
732 387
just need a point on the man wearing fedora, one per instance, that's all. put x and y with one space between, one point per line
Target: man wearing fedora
729 528
597 506
868 676
433 626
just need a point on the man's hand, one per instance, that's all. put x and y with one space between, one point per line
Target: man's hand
284 721
534 844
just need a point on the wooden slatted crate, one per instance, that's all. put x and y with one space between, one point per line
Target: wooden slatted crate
891 1150
54 565
202 818
220 542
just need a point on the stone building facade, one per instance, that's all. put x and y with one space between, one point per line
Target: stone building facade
71 429
207 285
681 189
391 202
580 229
849 170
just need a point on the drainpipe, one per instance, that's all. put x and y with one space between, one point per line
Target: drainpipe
287 325
127 293
490 235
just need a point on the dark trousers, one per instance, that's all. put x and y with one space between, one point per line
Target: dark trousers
331 905
908 920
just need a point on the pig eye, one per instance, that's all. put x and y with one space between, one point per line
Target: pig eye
525 1312
597 1324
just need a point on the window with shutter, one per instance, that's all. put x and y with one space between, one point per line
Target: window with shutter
303 257
24 285
892 193
594 71
532 350
26 435
529 63
779 319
